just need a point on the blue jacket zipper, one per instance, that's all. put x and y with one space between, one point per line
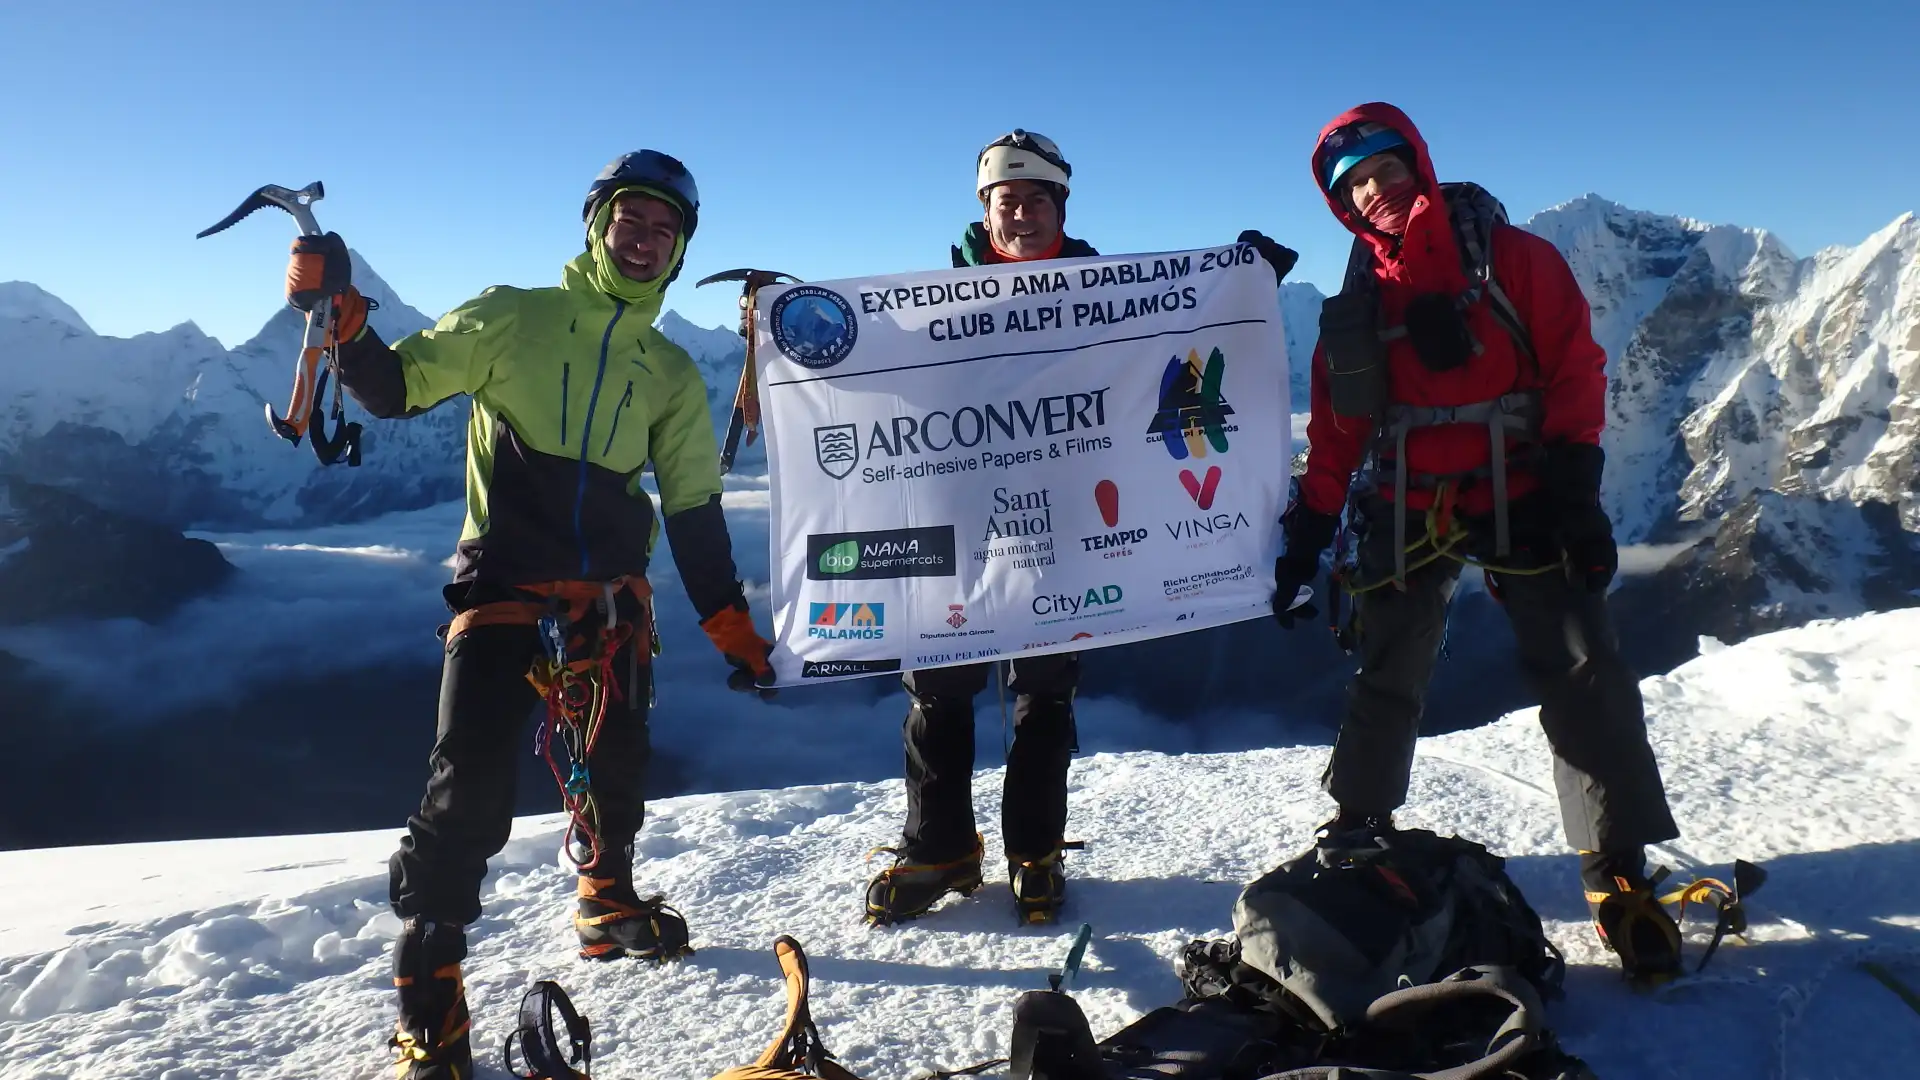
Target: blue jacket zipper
586 432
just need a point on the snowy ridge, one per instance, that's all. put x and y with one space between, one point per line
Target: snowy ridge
23 300
1798 749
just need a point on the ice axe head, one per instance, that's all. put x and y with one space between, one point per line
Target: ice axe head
298 203
751 281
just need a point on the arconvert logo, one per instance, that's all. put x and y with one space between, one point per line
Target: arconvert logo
1202 491
838 622
883 553
1193 413
835 450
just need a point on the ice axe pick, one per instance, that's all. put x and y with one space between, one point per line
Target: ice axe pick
746 400
309 379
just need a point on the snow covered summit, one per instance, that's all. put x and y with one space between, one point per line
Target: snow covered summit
269 956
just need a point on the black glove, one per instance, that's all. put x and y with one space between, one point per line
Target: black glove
1278 255
1581 528
1308 534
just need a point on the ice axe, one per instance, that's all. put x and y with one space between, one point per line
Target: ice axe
309 380
746 400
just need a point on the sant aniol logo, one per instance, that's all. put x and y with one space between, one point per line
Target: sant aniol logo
839 622
813 327
1020 527
1192 417
882 553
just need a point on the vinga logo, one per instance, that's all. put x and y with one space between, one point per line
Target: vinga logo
1193 414
1201 491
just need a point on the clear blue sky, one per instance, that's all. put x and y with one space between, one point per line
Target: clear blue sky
830 139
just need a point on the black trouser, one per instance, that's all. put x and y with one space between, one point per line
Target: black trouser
1611 794
939 738
485 702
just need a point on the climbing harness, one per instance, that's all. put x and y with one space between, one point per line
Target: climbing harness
582 631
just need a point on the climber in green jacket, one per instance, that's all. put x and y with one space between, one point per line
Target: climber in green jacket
574 392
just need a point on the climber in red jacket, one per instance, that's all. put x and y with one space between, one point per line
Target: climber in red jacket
1458 364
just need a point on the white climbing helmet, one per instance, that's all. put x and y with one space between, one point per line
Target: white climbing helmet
1022 155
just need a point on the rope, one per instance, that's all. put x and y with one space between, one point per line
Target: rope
1443 540
577 694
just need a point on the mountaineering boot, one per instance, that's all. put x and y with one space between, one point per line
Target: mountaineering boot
614 922
1627 914
906 890
1039 887
1351 826
431 1037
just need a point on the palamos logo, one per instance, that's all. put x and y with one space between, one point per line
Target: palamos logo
839 622
1117 544
1192 418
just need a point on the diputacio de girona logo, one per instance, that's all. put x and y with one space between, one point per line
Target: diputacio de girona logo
813 327
1192 417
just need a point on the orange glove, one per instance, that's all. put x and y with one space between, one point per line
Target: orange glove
318 267
731 630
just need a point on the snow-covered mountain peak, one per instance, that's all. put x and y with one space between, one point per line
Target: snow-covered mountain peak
23 300
713 348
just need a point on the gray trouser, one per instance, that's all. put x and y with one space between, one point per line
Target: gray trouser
1611 794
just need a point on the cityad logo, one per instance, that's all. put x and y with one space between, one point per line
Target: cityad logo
834 669
1193 413
840 622
1113 545
813 327
882 553
956 615
1201 491
836 449
1064 607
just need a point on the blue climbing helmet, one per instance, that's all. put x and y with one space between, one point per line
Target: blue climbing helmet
1351 145
651 169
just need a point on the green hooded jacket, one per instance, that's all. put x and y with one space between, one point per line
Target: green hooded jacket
574 392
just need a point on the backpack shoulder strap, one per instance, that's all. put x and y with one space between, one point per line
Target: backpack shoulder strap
1476 213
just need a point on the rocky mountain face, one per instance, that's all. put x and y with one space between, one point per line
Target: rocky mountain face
1765 406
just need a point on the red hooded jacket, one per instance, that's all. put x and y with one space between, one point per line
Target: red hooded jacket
1571 375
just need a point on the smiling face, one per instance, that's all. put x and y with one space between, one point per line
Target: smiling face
641 236
1023 218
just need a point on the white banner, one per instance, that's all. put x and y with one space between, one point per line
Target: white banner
1010 460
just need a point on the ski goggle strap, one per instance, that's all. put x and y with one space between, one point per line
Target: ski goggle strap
1351 145
1046 149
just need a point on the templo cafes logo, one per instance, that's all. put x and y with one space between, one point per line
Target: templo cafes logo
836 669
1193 413
1201 491
1118 543
882 553
836 449
813 327
841 622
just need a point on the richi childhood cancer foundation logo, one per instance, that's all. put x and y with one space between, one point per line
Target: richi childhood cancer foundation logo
1192 418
